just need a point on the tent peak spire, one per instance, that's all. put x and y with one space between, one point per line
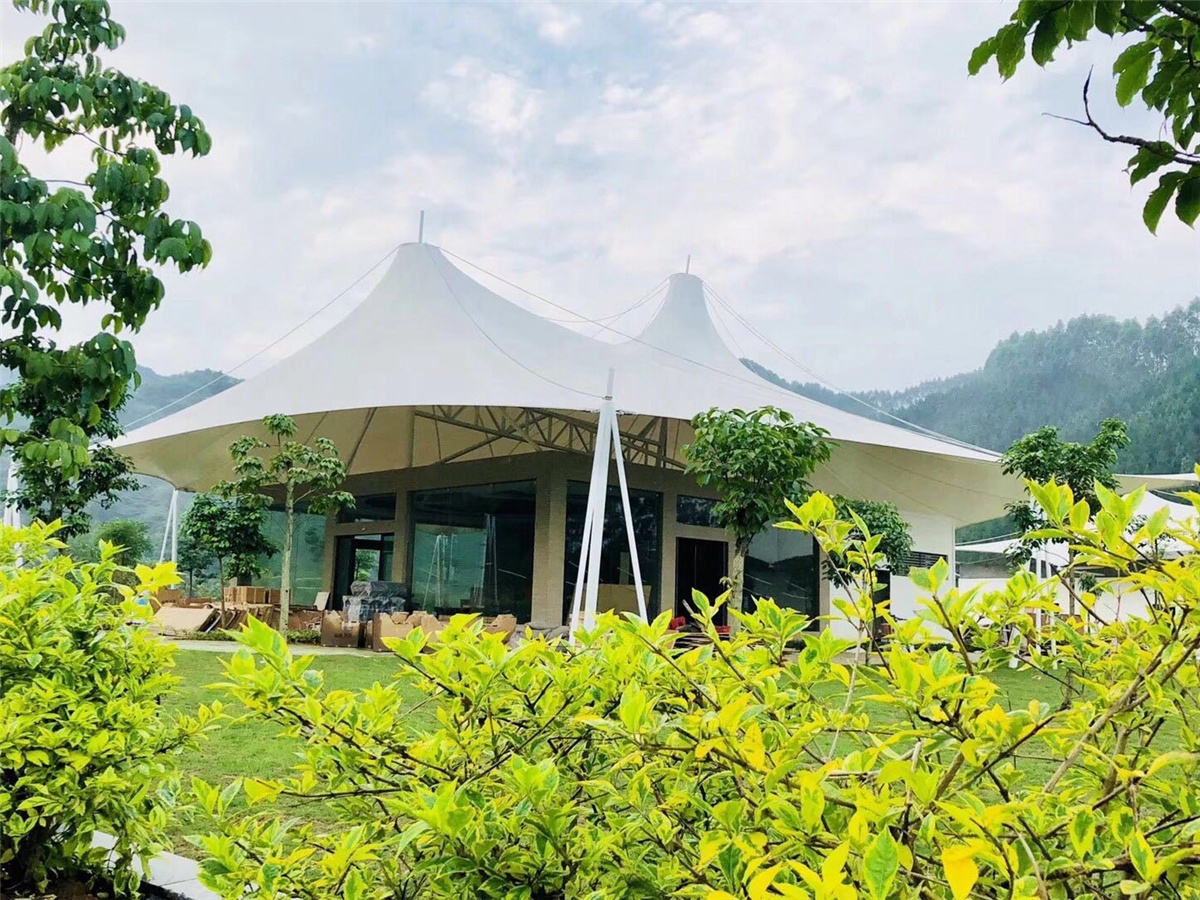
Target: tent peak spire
421 228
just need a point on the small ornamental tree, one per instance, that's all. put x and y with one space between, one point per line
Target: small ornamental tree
195 560
1043 456
890 538
311 476
94 240
232 530
757 461
1158 63
628 767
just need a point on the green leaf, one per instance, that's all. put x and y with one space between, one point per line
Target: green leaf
1010 49
1132 69
1157 202
1047 35
1187 202
1108 15
981 55
1083 833
881 863
1143 859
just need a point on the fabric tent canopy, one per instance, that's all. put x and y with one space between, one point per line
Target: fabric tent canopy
434 367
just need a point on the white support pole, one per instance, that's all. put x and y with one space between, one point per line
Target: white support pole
633 553
598 462
587 582
12 513
175 526
600 489
171 531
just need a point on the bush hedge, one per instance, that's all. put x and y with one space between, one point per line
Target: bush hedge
621 767
84 743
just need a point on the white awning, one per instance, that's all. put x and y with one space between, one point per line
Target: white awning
432 367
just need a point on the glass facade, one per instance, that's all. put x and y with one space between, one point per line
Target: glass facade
371 508
695 511
615 564
472 549
308 556
784 566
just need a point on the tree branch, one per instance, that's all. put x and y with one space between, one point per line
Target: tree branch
1180 157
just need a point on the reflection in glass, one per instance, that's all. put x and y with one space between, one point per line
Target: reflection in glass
783 566
371 508
695 511
472 549
308 556
616 566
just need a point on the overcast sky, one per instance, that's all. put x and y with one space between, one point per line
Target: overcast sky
830 168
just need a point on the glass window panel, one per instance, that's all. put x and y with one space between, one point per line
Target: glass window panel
308 556
370 508
695 511
615 563
472 549
783 566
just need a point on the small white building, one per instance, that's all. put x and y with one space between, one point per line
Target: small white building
468 424
987 565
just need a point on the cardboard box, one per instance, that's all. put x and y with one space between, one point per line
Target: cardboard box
337 632
304 619
505 625
385 625
183 620
248 595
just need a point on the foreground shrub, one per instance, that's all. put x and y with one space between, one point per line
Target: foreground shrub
622 768
84 743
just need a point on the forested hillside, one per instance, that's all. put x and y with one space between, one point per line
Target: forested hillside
1072 376
156 397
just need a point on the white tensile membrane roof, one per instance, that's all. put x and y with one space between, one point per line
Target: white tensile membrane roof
434 367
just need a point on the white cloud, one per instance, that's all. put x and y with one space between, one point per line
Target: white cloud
883 216
499 103
556 23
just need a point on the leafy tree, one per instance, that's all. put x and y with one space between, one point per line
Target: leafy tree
1043 457
1159 64
51 491
93 241
309 475
194 559
757 461
131 539
233 530
620 767
129 536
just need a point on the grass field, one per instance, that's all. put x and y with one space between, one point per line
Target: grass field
245 749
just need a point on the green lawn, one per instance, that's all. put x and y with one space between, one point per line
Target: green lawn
245 749
253 748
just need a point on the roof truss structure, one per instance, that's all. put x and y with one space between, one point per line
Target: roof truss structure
645 442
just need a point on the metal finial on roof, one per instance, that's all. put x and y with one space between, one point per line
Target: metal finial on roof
687 267
421 228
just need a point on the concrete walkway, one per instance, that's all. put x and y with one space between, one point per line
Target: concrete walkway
171 876
297 649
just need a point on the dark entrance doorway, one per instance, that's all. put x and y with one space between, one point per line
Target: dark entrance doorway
360 557
699 565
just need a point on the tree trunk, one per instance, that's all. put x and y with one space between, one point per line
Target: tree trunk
737 580
221 584
285 577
